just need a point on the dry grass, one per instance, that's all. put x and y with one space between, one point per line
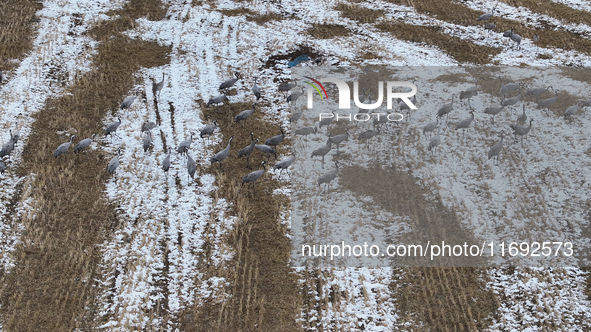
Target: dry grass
16 29
236 12
577 74
328 31
459 49
544 56
443 299
262 19
359 13
52 286
455 12
553 9
265 295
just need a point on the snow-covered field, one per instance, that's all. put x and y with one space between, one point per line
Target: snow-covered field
154 257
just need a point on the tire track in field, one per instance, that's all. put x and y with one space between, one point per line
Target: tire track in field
52 284
456 13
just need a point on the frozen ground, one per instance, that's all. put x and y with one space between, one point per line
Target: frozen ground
166 223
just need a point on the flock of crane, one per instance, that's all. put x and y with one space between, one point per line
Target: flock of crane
269 148
491 26
519 128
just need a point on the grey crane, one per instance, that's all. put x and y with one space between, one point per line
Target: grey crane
63 148
217 100
266 150
295 116
368 99
363 96
494 110
572 110
485 17
380 120
511 101
546 103
323 150
434 142
275 140
244 115
496 149
166 163
2 165
491 26
191 167
114 163
464 124
536 38
9 146
185 145
84 144
112 127
520 130
247 150
230 83
473 88
523 117
429 127
512 86
252 177
536 91
306 131
367 135
326 122
515 38
507 34
338 139
294 96
284 163
285 87
447 108
148 125
209 129
147 141
129 101
156 87
469 93
329 176
405 107
256 90
505 88
222 155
